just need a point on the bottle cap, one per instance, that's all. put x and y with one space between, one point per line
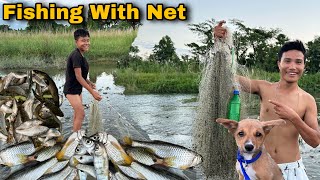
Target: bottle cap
236 92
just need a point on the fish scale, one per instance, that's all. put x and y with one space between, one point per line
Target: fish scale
12 155
34 172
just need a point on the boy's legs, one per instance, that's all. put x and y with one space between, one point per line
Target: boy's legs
78 115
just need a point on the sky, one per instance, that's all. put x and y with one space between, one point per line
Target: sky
296 19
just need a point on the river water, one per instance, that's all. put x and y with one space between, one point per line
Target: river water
151 116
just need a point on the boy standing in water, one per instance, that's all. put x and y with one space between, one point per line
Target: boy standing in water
76 77
286 100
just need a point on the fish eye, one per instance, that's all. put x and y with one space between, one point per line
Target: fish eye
80 158
96 148
258 134
241 133
77 149
88 141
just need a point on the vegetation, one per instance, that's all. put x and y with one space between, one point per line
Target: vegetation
42 49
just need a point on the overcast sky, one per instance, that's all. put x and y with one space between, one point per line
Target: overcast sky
296 19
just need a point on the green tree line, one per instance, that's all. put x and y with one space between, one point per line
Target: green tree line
254 47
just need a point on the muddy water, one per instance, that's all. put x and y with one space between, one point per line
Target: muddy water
163 117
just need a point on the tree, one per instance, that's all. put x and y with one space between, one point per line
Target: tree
5 27
313 54
204 31
164 52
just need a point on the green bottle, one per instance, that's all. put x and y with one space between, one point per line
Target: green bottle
234 107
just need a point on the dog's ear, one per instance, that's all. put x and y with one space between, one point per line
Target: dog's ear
268 125
231 125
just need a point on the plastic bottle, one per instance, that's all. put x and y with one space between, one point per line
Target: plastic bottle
234 107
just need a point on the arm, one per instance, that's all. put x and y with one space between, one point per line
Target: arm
85 84
91 84
249 85
307 128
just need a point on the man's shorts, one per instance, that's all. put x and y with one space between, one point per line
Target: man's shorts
294 170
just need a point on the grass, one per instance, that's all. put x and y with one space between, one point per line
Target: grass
20 49
158 83
150 77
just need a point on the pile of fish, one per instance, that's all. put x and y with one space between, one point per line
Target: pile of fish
31 130
29 109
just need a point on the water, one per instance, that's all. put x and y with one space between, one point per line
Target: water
151 116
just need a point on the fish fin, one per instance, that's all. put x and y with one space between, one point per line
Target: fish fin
184 167
127 140
60 154
32 158
22 158
127 159
75 161
169 161
59 139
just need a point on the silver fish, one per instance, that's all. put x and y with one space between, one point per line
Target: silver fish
57 167
49 143
83 159
119 176
16 154
81 149
58 175
89 144
33 131
100 161
72 175
29 124
117 154
71 144
45 153
34 172
129 171
51 133
172 154
144 156
148 172
3 126
3 137
28 107
51 85
88 169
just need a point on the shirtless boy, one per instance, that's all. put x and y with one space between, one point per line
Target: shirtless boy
286 100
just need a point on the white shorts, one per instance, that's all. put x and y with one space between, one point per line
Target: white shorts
294 171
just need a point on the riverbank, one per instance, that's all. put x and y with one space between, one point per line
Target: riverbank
19 49
162 80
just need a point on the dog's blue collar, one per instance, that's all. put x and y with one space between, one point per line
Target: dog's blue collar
241 160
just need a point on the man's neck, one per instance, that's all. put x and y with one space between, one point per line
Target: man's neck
287 87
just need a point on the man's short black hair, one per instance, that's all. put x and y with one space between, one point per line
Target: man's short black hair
292 45
80 33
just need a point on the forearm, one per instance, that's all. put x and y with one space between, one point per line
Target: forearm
84 83
245 84
309 135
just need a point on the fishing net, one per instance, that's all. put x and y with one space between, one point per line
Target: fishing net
212 140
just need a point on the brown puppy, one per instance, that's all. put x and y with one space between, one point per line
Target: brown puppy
250 134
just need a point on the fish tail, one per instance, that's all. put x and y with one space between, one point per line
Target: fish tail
127 140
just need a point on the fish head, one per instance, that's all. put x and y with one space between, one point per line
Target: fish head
95 137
